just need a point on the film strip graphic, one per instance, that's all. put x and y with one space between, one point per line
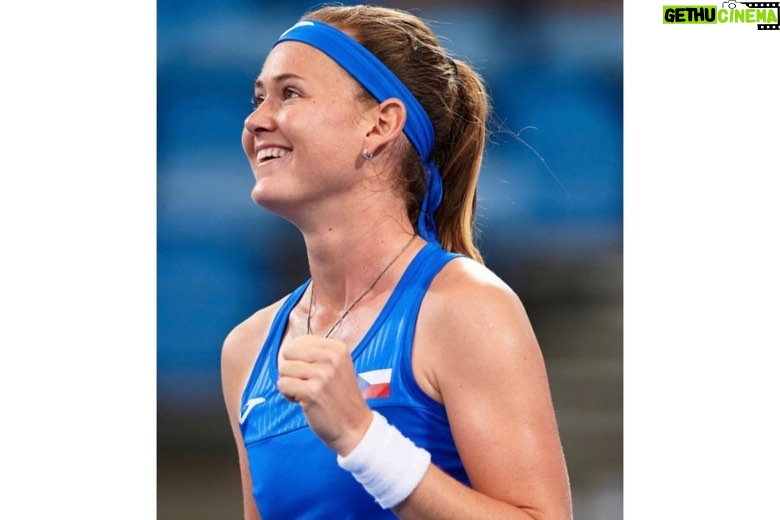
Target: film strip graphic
764 5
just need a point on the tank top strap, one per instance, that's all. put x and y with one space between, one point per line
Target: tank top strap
409 391
418 277
404 302
279 324
273 339
420 274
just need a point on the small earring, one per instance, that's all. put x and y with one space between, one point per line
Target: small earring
367 155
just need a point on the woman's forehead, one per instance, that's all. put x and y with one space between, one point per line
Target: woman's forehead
292 58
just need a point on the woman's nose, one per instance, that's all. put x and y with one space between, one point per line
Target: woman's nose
261 119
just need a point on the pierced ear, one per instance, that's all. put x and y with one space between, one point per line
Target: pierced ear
388 124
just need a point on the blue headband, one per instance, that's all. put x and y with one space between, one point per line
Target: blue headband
381 83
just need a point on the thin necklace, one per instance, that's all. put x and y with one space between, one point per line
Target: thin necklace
349 308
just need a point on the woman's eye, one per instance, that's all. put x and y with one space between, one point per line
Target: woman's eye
288 94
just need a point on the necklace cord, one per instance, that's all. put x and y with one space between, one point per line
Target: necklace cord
352 305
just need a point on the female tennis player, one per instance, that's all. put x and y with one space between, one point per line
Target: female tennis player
403 379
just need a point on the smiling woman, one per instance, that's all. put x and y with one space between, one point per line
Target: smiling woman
299 93
403 378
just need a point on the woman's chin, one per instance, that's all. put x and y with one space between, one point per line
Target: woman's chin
261 196
266 199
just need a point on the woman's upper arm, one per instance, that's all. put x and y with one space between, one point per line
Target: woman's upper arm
250 506
239 353
488 369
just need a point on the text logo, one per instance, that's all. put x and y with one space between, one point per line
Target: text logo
764 14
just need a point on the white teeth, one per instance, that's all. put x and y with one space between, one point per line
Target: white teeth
268 153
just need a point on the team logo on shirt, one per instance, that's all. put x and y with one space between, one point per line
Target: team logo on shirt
375 383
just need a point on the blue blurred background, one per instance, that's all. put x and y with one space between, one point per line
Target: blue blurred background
550 214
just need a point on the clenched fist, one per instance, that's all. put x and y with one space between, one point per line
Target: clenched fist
318 374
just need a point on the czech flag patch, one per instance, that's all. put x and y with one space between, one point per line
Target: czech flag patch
375 383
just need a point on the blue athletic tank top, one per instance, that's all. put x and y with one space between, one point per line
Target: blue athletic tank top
294 475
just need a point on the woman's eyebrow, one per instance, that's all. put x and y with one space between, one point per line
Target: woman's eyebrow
278 78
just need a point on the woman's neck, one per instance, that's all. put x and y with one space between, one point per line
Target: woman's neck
345 260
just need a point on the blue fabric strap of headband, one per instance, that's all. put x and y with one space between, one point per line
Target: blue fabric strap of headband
381 83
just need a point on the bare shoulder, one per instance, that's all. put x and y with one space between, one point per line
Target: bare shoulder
468 296
249 334
472 326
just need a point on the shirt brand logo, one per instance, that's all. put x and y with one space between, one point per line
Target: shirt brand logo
248 408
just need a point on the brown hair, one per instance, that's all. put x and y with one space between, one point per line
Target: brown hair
454 97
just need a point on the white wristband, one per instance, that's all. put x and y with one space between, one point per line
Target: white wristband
387 464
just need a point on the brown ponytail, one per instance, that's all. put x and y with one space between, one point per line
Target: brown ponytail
454 97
